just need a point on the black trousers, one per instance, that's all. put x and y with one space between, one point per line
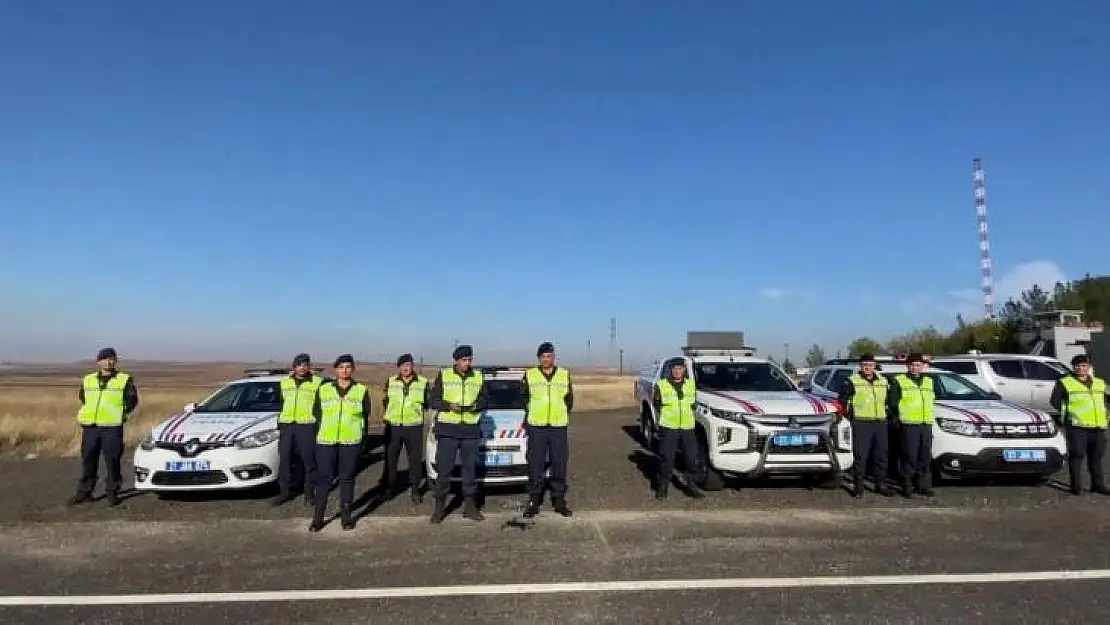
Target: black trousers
447 449
333 461
411 437
547 444
670 440
1089 443
97 441
870 445
916 452
297 445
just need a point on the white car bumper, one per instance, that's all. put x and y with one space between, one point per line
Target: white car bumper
498 462
974 455
215 469
742 450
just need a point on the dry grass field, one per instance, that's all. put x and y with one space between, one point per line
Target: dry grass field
38 405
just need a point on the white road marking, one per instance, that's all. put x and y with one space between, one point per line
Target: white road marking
830 581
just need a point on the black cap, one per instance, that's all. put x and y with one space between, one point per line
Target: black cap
915 357
106 352
302 359
345 358
867 358
403 359
462 351
674 362
545 348
1080 359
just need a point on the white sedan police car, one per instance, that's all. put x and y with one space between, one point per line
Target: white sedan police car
976 433
227 441
501 459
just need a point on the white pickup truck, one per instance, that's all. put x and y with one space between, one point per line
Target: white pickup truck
751 419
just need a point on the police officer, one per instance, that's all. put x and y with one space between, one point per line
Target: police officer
405 398
108 397
674 399
459 394
910 400
548 400
342 408
863 401
297 429
1081 401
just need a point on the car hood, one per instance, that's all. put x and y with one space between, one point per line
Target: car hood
502 424
213 427
771 403
987 411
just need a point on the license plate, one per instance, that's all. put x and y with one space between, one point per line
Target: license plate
188 465
1024 455
795 440
495 460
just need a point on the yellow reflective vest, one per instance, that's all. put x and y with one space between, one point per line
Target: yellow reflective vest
103 407
676 413
868 402
461 391
342 420
405 406
1085 407
547 403
915 407
297 399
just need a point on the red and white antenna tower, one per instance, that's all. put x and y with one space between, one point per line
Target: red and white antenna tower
979 190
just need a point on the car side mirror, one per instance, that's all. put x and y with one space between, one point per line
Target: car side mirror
191 406
993 395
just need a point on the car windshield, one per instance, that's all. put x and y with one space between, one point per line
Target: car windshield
952 387
245 397
740 376
504 394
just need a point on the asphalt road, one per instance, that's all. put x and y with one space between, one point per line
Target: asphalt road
619 533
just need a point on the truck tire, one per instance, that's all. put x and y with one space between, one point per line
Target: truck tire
647 433
712 480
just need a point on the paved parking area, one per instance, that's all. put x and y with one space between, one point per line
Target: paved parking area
628 558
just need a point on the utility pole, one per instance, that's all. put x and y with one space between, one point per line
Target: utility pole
620 370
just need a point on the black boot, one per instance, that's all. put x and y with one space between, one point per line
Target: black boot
1076 482
907 487
560 505
317 520
533 507
346 519
881 487
416 496
441 510
691 487
470 510
114 500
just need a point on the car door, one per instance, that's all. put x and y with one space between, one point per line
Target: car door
1042 379
1012 383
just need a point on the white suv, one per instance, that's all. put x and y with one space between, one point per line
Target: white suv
1019 378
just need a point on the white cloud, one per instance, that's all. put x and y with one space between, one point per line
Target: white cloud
969 302
773 293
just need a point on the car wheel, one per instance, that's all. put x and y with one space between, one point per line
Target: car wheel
647 437
712 479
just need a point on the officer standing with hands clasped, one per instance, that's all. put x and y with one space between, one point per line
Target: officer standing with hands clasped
459 396
911 400
343 409
297 429
404 401
1081 400
674 399
108 397
863 401
548 400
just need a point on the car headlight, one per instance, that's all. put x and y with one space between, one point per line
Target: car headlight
728 415
147 444
957 426
258 439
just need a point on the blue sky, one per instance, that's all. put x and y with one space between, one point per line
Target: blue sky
247 179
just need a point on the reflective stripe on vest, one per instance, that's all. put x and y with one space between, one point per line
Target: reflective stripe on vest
405 408
1085 407
547 399
916 404
103 407
461 391
341 418
675 413
297 399
869 400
